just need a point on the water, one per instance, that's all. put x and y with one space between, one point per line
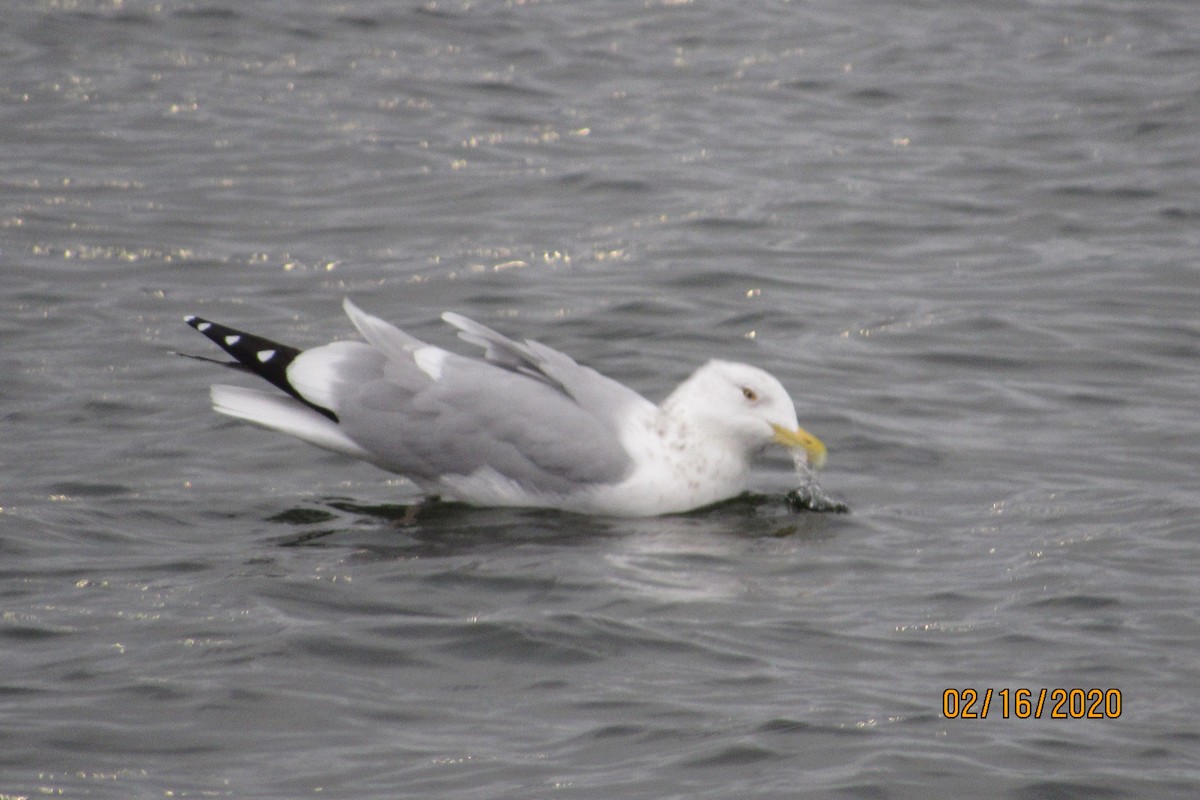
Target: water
964 236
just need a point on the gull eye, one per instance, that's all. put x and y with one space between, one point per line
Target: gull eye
749 394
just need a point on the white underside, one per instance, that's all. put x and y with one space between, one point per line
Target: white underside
630 498
635 496
656 486
662 481
287 414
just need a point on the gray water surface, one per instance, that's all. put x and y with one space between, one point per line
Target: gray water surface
964 236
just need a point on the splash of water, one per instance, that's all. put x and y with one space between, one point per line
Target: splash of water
808 494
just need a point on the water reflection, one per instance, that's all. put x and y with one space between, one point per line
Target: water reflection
434 528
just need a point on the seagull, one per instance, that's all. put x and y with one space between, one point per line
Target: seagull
523 426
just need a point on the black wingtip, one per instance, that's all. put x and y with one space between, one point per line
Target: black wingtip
199 323
267 359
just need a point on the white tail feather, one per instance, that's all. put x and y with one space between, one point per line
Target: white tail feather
287 414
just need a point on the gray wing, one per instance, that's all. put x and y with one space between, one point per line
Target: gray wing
591 390
527 411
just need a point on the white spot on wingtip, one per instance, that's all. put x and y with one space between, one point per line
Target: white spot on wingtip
265 355
189 319
430 361
232 340
203 326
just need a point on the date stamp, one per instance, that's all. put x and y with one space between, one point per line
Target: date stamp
1031 703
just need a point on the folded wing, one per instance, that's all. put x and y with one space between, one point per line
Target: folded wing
526 415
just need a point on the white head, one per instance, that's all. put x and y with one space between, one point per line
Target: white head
747 404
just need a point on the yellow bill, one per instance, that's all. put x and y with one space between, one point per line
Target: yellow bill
804 440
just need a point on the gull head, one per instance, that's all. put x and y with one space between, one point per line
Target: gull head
749 405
